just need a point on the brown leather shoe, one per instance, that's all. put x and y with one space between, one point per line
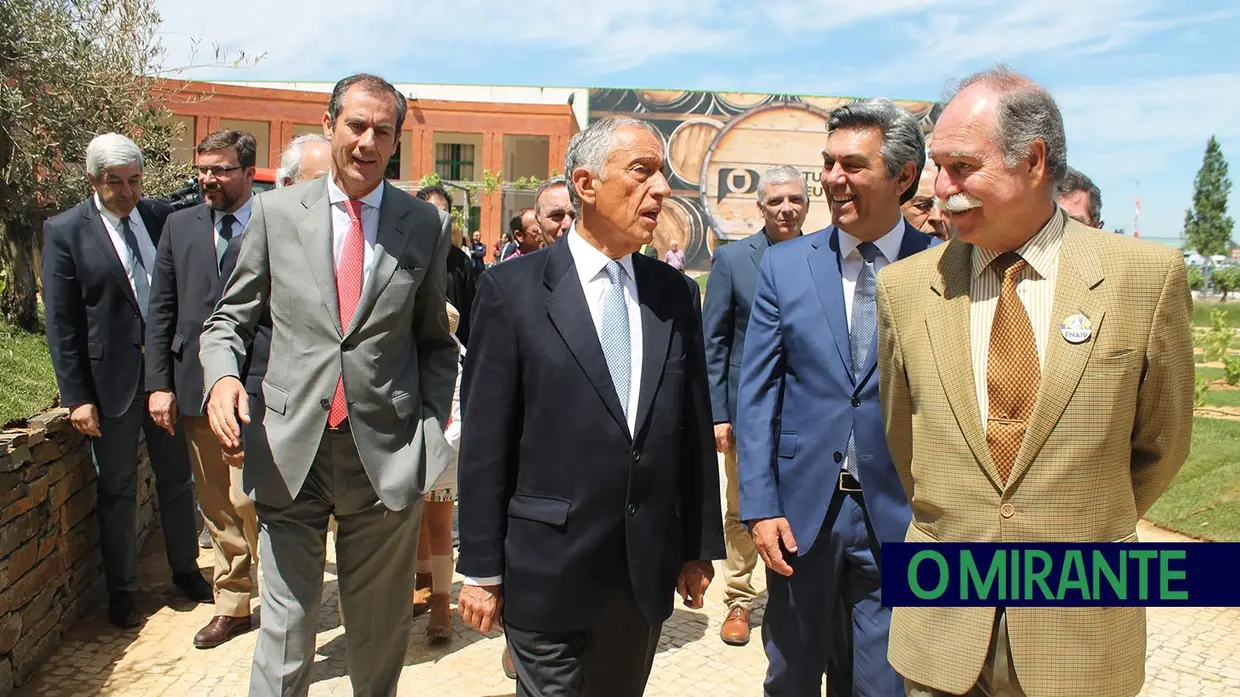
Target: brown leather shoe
735 629
439 626
220 629
421 593
510 670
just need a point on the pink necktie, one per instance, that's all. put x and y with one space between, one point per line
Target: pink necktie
348 292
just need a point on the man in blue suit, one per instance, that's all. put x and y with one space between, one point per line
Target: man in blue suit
783 200
817 484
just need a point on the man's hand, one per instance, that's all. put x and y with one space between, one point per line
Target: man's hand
85 419
480 606
767 535
227 405
723 437
695 577
233 457
163 407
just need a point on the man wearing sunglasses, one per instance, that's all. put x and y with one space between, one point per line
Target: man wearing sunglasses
185 287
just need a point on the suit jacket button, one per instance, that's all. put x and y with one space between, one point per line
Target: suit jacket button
637 455
136 315
838 456
632 509
856 402
325 404
1007 510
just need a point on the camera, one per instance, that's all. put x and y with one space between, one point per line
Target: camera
189 194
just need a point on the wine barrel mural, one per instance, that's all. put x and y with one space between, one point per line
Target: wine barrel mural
717 146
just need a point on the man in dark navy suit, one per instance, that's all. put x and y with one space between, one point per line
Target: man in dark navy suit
97 262
184 290
783 200
581 531
817 484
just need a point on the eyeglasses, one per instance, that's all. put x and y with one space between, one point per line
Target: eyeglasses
216 171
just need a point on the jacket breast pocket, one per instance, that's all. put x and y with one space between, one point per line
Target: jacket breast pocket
540 509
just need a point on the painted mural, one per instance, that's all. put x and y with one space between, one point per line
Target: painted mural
718 144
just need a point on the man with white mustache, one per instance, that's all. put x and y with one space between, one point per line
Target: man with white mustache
817 485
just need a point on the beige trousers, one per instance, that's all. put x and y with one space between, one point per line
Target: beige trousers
229 515
998 678
742 556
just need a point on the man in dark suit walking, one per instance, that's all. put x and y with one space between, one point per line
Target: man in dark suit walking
589 489
817 484
783 200
184 290
97 262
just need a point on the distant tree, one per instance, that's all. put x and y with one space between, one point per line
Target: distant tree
1196 279
70 70
1206 225
1226 280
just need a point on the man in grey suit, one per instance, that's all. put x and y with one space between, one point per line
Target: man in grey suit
783 200
356 393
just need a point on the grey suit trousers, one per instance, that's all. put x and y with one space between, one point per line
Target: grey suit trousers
376 553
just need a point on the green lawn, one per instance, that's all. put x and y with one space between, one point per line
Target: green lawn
701 281
1223 398
1212 373
1202 309
1204 499
27 381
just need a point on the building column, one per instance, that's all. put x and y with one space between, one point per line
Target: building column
492 204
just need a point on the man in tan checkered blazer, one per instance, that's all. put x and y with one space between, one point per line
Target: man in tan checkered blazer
1037 385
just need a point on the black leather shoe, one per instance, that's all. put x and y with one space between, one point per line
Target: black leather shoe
195 586
122 611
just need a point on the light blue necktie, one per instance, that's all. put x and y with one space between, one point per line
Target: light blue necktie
137 267
861 332
615 334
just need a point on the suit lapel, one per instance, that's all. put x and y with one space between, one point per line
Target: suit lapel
824 267
315 233
390 243
947 322
567 309
1080 272
758 245
99 233
153 229
656 332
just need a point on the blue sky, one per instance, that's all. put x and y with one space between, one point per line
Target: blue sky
1142 83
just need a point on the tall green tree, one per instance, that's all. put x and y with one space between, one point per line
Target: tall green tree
69 71
1207 226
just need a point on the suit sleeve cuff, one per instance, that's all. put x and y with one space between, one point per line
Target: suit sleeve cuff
484 581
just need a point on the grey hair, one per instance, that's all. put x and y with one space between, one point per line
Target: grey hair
547 184
903 141
589 149
1025 112
290 159
1075 181
780 174
111 150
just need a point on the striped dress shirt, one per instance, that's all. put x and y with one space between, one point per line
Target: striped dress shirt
1035 288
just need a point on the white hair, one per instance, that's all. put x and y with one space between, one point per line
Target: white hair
589 149
290 159
111 150
780 174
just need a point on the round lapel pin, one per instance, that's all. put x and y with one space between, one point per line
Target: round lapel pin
1076 329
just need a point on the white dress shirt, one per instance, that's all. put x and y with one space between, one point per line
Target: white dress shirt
590 264
112 223
341 222
851 263
242 216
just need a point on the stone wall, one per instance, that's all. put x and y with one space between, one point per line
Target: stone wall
49 539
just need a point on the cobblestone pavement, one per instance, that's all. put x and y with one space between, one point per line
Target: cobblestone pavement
1191 652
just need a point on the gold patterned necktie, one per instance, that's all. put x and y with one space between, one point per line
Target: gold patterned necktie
1013 370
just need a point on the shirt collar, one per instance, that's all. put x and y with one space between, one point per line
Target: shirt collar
241 215
113 218
1041 251
888 245
336 195
589 260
